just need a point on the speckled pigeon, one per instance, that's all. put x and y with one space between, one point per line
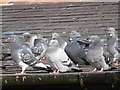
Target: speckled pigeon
22 55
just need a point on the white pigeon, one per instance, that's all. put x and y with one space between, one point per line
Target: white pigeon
58 57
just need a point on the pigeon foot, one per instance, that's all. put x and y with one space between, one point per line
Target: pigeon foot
116 64
20 73
93 71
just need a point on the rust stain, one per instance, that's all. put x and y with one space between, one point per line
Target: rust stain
19 2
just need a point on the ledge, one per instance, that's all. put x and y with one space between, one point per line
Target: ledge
82 79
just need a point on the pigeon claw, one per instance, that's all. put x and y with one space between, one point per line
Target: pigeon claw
93 71
116 64
99 71
54 72
20 73
42 59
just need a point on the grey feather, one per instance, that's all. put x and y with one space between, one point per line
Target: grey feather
40 47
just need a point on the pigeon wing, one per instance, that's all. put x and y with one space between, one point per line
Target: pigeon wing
27 56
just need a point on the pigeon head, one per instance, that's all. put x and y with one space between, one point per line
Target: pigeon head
43 40
55 36
95 39
72 38
39 36
111 29
26 35
111 32
75 33
54 43
14 38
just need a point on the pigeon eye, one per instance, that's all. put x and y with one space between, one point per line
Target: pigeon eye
13 39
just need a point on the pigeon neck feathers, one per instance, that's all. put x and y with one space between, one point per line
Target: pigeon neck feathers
53 45
15 42
56 36
30 38
112 38
60 40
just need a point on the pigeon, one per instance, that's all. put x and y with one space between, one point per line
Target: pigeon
58 58
75 51
112 45
23 56
30 38
83 41
75 33
62 43
40 47
95 55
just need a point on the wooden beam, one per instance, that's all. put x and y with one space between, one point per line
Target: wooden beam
83 79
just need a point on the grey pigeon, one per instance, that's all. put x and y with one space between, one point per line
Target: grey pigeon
95 54
58 57
75 51
112 45
83 41
62 43
22 55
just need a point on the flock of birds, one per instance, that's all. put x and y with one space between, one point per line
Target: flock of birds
62 56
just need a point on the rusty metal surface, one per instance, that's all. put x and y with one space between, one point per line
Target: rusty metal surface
87 18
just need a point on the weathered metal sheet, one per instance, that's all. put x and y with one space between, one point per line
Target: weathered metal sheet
94 17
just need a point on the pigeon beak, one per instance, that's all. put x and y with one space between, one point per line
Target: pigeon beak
110 34
70 39
90 40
